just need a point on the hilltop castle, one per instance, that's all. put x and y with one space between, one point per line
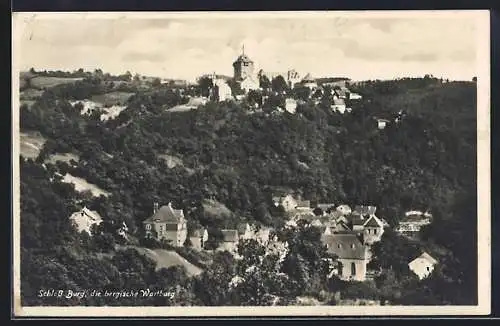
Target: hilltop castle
246 77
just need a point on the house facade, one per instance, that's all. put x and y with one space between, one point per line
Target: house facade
229 241
167 224
373 230
352 255
198 238
412 223
221 90
287 202
423 265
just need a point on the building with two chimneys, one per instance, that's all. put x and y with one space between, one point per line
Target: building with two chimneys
167 224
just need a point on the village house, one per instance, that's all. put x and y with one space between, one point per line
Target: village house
303 205
364 210
344 209
221 91
287 202
333 81
290 105
338 105
245 231
229 241
308 82
84 219
167 224
423 265
325 208
355 96
372 230
198 238
352 255
382 123
412 223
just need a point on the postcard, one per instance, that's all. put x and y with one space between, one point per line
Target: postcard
322 163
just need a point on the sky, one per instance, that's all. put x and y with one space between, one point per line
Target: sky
356 46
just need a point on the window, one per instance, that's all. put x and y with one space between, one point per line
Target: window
340 267
339 245
148 227
428 269
353 245
374 231
353 269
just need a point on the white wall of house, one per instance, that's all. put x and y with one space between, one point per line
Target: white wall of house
421 267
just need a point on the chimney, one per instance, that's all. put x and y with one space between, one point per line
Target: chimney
155 208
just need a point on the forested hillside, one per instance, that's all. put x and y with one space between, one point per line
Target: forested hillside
427 161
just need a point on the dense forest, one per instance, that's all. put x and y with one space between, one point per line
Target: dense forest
426 161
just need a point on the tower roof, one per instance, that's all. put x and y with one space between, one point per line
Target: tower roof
243 57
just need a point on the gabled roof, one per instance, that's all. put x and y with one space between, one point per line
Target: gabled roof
166 214
303 203
338 101
345 245
93 215
308 78
355 219
306 216
374 221
341 226
427 257
198 232
326 206
242 227
242 58
229 235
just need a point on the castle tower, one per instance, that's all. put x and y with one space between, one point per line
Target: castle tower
243 66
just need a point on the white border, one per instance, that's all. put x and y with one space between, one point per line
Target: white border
483 150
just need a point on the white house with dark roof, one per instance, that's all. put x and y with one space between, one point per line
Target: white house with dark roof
167 224
423 265
229 241
198 238
373 230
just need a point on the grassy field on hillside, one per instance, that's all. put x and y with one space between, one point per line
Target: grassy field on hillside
31 144
47 82
166 258
113 98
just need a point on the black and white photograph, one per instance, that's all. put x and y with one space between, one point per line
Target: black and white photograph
251 163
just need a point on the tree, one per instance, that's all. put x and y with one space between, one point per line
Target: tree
156 82
279 84
205 84
264 82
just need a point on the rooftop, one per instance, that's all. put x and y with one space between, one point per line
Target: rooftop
166 214
345 245
229 235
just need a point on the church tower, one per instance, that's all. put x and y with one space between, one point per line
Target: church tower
243 66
